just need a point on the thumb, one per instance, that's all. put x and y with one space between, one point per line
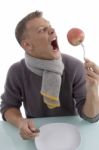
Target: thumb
31 125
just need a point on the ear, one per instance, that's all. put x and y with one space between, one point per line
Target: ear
27 46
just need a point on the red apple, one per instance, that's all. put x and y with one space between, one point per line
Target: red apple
75 36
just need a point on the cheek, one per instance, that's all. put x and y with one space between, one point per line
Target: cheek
43 39
43 43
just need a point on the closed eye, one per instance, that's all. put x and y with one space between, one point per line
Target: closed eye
42 29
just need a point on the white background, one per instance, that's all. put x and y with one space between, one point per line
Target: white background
62 14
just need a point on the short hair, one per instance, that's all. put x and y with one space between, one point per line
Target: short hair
21 26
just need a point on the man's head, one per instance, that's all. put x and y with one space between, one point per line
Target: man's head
37 37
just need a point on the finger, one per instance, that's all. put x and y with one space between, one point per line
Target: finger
32 132
90 64
92 77
23 133
26 135
31 125
93 68
26 131
91 74
88 61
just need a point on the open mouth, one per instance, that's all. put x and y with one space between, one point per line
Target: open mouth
54 44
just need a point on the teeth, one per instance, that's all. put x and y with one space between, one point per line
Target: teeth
53 39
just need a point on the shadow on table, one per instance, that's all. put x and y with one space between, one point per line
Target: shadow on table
11 136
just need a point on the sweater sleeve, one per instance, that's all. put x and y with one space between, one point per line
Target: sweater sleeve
12 93
79 93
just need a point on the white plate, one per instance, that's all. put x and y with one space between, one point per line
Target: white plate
58 136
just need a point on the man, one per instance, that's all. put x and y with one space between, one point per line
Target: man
47 82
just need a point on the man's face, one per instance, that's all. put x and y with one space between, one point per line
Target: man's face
41 39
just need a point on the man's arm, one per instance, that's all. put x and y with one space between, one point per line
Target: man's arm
91 106
14 116
26 126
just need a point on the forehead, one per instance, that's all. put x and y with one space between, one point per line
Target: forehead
36 23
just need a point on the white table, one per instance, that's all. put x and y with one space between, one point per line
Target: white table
11 140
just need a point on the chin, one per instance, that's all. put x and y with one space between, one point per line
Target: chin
56 55
50 56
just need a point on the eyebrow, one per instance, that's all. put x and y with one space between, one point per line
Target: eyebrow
48 23
43 26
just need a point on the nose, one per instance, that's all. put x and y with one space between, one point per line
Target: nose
51 30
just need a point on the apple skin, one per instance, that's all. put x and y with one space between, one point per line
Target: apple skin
75 36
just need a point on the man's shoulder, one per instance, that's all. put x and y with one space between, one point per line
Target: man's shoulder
70 59
18 64
17 67
71 63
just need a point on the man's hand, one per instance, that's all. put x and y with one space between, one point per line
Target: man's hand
27 129
26 126
92 75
